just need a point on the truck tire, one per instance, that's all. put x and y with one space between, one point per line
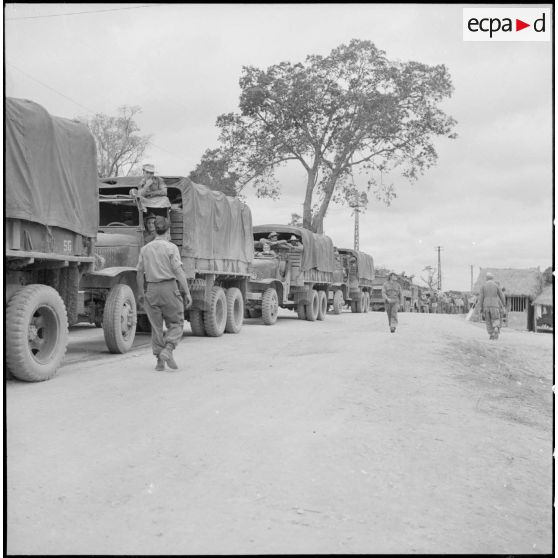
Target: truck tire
68 288
366 305
143 324
119 319
313 306
37 333
196 323
338 301
270 306
322 305
301 310
215 317
235 310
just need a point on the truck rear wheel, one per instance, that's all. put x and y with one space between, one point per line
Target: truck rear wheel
196 323
215 317
313 307
235 310
270 306
322 305
37 333
119 319
338 301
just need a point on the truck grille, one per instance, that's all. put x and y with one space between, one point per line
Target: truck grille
112 256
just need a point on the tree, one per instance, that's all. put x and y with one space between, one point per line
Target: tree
296 220
214 170
119 146
351 111
431 279
547 276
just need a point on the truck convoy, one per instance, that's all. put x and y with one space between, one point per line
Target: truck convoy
293 275
214 235
353 281
50 228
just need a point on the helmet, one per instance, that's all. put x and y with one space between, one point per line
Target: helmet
272 234
148 167
293 237
489 275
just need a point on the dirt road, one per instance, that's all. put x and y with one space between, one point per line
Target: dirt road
325 437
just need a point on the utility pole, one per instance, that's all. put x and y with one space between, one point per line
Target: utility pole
471 278
439 248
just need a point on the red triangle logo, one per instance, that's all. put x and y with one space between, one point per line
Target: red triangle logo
519 25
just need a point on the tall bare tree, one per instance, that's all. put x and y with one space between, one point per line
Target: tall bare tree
120 147
352 109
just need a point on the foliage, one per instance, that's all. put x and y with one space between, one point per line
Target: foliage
431 279
119 146
296 220
350 111
547 276
214 170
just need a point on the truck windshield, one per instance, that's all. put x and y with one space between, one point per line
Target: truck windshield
118 211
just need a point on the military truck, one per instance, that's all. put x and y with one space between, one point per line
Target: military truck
353 281
294 277
214 235
50 189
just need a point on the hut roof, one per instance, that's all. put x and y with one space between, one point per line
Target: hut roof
546 297
517 282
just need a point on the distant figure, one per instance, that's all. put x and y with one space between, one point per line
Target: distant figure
151 186
491 300
392 293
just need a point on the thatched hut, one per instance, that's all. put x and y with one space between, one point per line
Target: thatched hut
544 310
521 287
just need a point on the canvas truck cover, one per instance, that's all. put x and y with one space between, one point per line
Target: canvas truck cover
365 263
50 169
217 229
317 248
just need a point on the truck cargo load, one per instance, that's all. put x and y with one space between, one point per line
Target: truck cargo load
51 170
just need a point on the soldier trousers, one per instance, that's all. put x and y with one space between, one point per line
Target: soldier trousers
493 319
391 310
163 304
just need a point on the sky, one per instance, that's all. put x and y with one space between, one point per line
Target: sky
488 202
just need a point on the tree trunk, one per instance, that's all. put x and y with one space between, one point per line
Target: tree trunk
318 221
307 207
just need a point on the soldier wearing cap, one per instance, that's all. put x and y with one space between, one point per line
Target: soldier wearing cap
149 234
273 239
393 298
491 300
160 262
151 186
294 242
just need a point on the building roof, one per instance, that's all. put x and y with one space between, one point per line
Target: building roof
517 282
546 297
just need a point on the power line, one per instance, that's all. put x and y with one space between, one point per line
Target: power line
82 106
51 88
89 12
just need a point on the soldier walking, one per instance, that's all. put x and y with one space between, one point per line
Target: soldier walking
392 294
491 300
160 261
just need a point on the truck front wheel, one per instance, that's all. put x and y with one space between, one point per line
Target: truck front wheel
119 319
36 333
270 306
196 323
215 317
338 301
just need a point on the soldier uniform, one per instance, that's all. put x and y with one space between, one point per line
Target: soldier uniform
160 262
491 300
393 298
151 186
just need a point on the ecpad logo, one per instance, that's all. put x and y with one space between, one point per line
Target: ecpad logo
506 24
